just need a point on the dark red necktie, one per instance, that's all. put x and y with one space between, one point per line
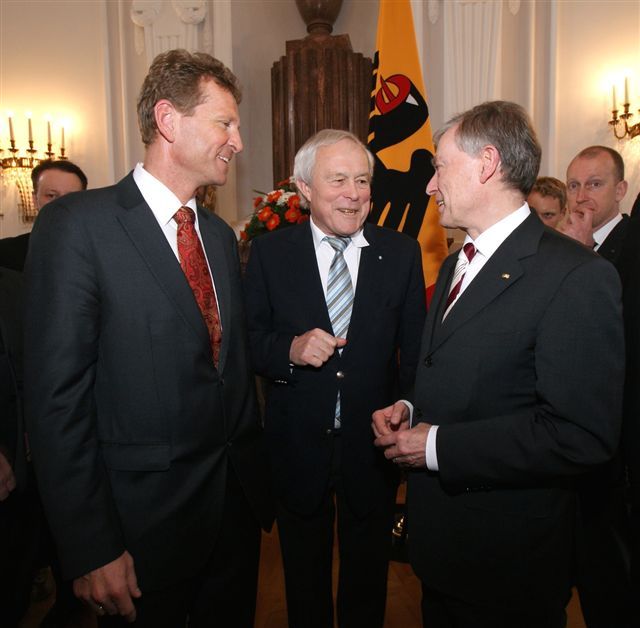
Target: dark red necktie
460 272
194 266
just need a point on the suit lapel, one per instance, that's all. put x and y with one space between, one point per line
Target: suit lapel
306 285
141 226
366 296
219 265
501 271
611 247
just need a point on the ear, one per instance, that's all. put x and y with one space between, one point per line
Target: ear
166 117
490 160
621 190
305 190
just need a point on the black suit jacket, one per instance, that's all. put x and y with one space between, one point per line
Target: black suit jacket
524 379
628 265
13 251
133 429
284 299
11 421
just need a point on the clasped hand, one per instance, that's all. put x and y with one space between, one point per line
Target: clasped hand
403 445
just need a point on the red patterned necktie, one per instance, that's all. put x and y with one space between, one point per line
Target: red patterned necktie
460 272
194 266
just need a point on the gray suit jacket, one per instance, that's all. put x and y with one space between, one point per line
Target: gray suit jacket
524 378
132 427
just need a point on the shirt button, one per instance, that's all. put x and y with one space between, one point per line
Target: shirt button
340 375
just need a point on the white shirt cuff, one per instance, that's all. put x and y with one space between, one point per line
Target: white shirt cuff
410 406
430 450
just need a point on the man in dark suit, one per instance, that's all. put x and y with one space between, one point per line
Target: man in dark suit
629 266
518 389
139 398
18 523
51 179
333 344
595 188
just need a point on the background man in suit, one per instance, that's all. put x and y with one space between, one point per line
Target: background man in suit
139 398
518 388
51 179
327 372
18 523
596 186
548 198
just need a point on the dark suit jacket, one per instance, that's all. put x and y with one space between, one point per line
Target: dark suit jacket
628 265
133 430
11 421
285 299
13 251
524 379
622 249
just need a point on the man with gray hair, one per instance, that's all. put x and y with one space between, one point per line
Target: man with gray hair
335 308
516 390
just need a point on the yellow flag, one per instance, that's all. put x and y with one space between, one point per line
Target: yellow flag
400 139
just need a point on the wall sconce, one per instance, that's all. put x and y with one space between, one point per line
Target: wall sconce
624 118
17 168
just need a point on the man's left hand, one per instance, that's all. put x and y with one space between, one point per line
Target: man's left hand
406 448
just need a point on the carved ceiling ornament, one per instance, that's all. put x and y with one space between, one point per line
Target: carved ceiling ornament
190 11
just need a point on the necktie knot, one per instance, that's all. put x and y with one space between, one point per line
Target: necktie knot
339 244
469 251
185 215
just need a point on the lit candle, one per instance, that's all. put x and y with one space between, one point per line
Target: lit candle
49 132
30 127
11 136
614 98
626 90
62 142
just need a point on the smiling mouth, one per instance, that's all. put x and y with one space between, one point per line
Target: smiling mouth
348 212
225 159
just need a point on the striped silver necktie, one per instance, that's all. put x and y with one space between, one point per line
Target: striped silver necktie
339 298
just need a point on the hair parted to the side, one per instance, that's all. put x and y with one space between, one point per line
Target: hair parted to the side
550 186
57 164
594 151
506 126
176 76
305 159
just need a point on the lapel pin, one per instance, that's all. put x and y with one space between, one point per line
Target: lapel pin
505 275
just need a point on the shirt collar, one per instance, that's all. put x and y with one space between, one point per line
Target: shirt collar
490 239
162 201
601 234
357 239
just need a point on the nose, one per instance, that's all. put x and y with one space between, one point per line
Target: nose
235 141
432 186
580 194
351 191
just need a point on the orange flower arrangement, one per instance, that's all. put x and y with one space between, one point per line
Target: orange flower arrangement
278 209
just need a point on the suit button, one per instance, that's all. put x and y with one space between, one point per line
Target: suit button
221 380
329 432
340 375
427 361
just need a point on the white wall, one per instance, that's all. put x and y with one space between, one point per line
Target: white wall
52 61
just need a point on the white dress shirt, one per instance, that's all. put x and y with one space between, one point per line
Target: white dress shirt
325 253
164 204
487 243
601 234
